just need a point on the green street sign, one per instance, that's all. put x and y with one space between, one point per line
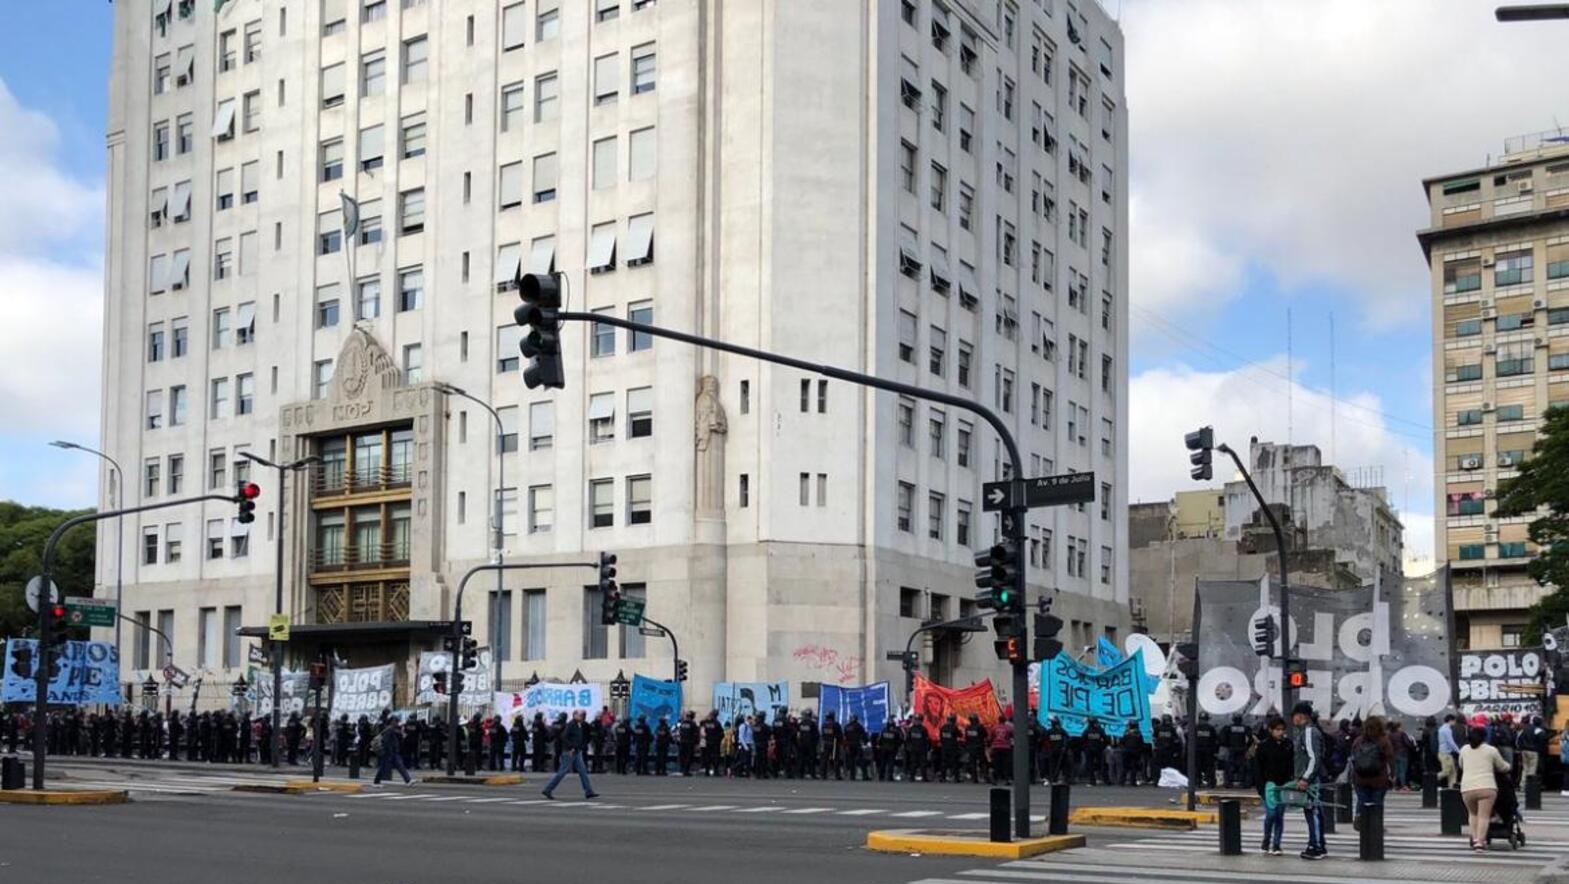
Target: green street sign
89 612
629 612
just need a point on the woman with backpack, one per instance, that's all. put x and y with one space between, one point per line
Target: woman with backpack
1480 763
1372 766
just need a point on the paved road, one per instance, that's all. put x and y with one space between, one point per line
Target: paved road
185 823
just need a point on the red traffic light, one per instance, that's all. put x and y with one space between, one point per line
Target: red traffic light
1296 680
57 612
250 490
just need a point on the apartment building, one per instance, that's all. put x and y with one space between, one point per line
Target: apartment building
929 190
1498 246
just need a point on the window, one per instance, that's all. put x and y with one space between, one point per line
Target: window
547 98
374 10
150 477
332 85
642 69
413 136
939 106
371 149
640 412
510 186
223 258
642 157
184 134
937 433
154 409
640 507
601 503
332 159
939 187
1512 268
160 141
1558 261
604 163
250 111
155 342
179 338
244 394
223 120
904 503
373 74
963 440
966 206
1510 413
157 274
215 546
541 425
642 313
936 505
252 41
601 418
907 165
966 127
605 10
534 622
545 178
965 358
548 25
416 60
514 25
411 211
180 269
640 240
221 328
512 107
745 495
906 423
220 398
602 338
162 76
329 232
321 376
906 337
607 79
411 289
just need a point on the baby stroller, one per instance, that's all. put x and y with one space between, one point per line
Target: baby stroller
1505 821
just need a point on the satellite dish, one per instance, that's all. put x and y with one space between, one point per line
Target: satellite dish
1154 657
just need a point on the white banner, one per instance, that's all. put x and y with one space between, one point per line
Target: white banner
476 682
551 699
357 692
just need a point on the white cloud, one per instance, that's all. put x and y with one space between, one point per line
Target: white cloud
43 203
1168 402
51 330
1294 136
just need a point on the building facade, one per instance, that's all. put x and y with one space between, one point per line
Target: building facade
1498 249
927 190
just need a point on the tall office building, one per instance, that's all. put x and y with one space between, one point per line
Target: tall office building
1498 246
927 190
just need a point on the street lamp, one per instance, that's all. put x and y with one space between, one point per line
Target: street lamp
149 692
115 502
496 626
1532 12
238 689
277 656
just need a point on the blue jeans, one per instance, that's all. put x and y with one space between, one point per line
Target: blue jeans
571 760
391 761
1274 825
1369 796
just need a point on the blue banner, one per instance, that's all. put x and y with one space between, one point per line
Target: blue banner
1074 693
80 673
1107 654
655 698
867 702
737 699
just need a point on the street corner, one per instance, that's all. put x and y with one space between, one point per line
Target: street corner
1141 817
965 842
300 787
1243 797
477 780
64 796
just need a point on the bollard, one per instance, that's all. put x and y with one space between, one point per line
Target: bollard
1452 816
1533 793
468 763
13 773
354 765
1230 819
1429 790
1001 824
1344 799
1057 824
1326 814
1371 844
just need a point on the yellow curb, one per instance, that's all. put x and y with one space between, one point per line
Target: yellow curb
326 786
58 796
1141 817
966 843
1248 799
491 780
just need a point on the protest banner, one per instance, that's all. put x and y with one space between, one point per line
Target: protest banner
654 698
84 673
868 702
1107 653
549 699
477 686
736 699
934 703
295 686
1074 693
1490 682
357 692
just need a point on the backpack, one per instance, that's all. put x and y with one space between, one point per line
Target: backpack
1367 759
1334 753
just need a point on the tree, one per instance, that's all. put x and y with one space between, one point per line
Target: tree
23 533
1542 488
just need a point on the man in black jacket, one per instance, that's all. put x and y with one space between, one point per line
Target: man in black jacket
623 731
574 738
686 742
641 737
948 737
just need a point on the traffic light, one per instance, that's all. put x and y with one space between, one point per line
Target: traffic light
1264 635
1047 645
1296 675
1188 660
438 682
1201 443
245 494
541 344
470 654
457 682
57 624
680 670
609 593
1010 648
997 574
1009 644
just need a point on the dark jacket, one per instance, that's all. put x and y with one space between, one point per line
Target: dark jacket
1386 752
574 736
1273 761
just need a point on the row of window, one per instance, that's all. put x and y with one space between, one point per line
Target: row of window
165 543
637 504
1516 267
1472 417
215 647
515 27
1471 552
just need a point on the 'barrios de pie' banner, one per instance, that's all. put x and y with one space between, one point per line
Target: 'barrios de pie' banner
868 702
1114 696
85 673
550 699
934 703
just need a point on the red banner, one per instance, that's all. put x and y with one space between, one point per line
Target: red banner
934 703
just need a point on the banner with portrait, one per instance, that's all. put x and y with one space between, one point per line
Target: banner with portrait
737 699
934 703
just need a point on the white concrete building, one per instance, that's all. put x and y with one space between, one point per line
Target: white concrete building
929 190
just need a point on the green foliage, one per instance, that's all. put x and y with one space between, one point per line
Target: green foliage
1542 488
23 533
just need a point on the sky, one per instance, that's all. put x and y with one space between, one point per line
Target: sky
1277 150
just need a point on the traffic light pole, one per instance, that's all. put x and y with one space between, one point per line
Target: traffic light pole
457 642
1014 520
675 649
1285 585
908 660
46 622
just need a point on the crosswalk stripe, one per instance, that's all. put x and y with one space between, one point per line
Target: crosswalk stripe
914 814
865 811
446 798
708 807
968 816
1468 857
412 797
767 808
1052 870
533 801
667 807
1413 841
486 800
807 810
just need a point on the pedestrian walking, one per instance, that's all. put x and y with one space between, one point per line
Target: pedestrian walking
1308 769
1273 768
390 742
1372 766
1480 763
1448 751
574 739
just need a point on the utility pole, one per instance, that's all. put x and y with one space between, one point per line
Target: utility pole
116 500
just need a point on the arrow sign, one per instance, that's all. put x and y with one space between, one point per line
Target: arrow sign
996 496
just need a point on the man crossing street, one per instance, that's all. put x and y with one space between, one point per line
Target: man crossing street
574 739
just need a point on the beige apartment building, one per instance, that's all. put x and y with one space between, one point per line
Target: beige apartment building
1498 247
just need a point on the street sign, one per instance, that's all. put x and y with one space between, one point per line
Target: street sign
176 676
629 612
652 631
33 587
278 627
1059 490
89 612
997 496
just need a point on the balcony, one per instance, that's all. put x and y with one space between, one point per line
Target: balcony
374 557
334 480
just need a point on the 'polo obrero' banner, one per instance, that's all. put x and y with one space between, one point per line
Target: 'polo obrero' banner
1114 696
295 686
476 682
1379 649
357 692
1502 681
654 698
934 703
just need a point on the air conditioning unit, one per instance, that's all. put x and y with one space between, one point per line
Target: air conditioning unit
1541 342
1487 493
1489 313
1538 304
1523 186
1489 350
1471 462
1487 406
1487 262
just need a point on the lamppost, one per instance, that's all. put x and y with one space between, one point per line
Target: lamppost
149 694
118 476
277 656
496 626
238 690
1533 12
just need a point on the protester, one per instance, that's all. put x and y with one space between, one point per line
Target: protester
1272 772
390 742
1308 769
574 739
1480 763
1372 763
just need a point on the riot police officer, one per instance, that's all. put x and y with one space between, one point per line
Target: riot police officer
1056 740
917 750
662 746
831 737
948 737
887 749
686 742
1094 741
975 749
1235 740
806 746
713 736
855 747
1204 737
642 736
623 731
